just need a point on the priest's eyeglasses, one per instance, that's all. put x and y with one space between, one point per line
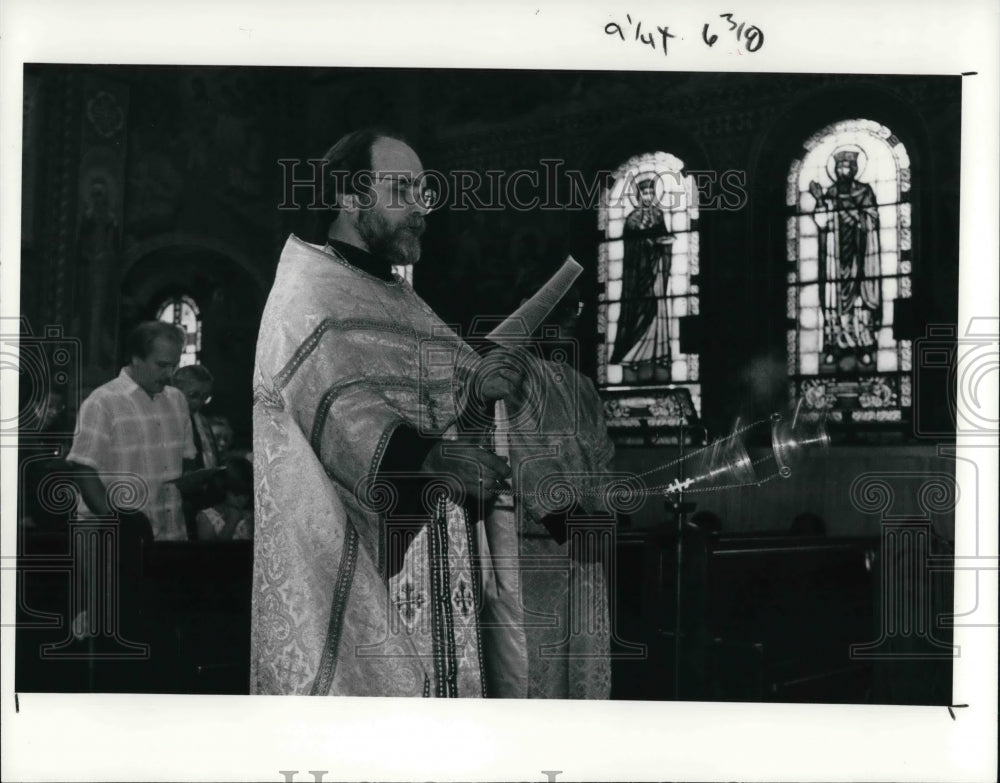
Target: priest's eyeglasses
412 192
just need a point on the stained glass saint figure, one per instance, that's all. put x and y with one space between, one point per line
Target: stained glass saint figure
846 215
642 343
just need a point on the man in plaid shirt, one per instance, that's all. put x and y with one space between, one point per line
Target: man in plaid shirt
135 438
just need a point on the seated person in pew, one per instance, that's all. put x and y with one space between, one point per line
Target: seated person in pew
225 437
195 382
223 433
232 519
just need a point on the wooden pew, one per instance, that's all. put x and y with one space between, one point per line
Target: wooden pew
763 617
194 600
786 610
202 591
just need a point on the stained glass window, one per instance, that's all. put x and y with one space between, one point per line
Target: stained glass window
849 262
183 311
648 269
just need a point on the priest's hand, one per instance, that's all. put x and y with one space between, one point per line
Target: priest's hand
500 375
475 470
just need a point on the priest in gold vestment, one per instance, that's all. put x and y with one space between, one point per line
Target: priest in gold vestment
389 544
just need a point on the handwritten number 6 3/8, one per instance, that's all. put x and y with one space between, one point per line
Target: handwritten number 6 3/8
753 35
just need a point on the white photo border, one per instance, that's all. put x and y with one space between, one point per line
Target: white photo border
75 737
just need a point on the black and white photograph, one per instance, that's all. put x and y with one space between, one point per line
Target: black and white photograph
660 394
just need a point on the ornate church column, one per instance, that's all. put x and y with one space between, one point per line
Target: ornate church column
100 185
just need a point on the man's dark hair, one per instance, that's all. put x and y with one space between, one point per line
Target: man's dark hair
707 521
198 373
808 524
350 157
139 342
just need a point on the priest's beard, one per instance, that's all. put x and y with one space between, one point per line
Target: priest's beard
399 245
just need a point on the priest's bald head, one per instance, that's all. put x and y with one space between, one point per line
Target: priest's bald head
379 204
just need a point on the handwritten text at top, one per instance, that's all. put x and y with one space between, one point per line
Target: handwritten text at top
751 36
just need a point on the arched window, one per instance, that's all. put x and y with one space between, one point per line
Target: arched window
648 267
849 264
184 312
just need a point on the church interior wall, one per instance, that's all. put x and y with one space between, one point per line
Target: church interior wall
140 181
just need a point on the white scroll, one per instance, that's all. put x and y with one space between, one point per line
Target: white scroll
530 315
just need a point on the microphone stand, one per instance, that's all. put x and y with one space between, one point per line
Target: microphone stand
680 513
680 509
